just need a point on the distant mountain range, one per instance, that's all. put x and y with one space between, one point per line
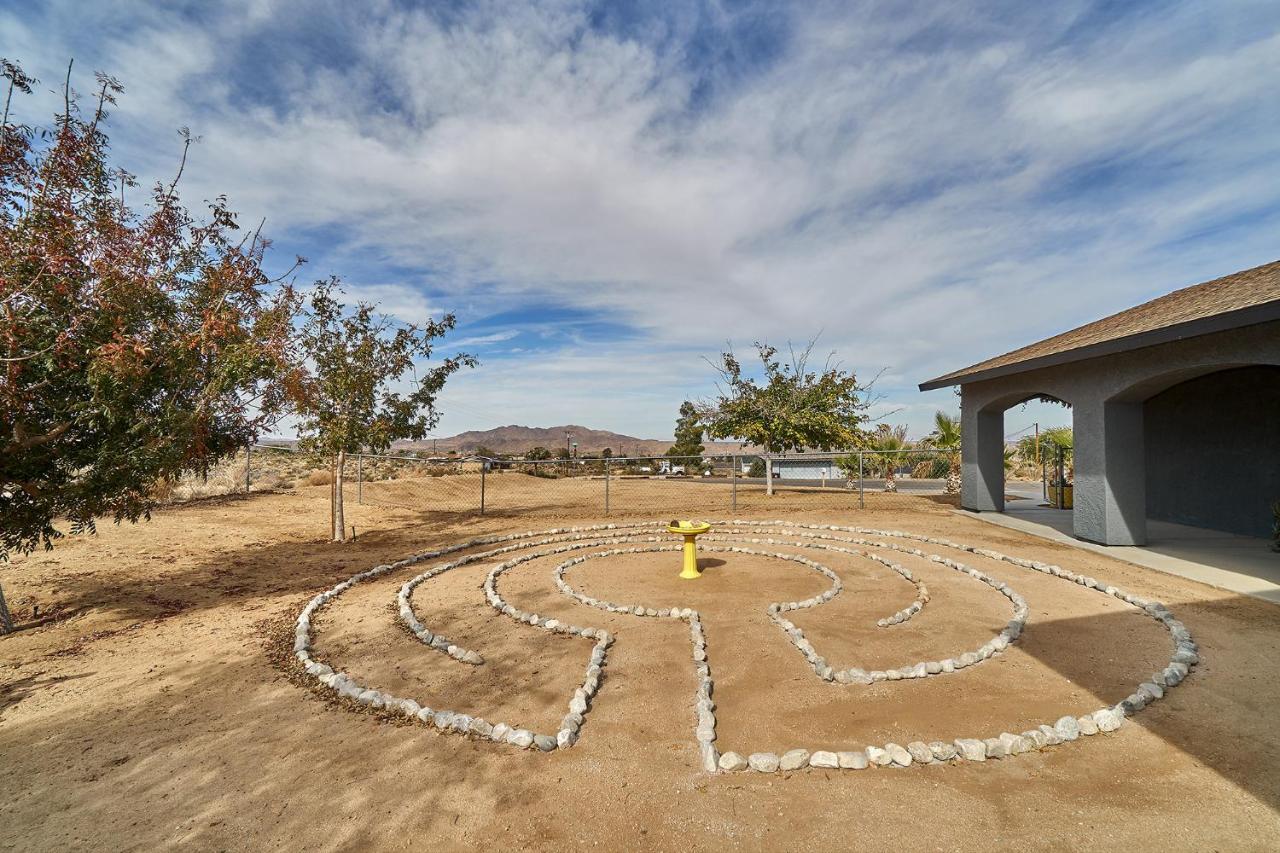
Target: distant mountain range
519 439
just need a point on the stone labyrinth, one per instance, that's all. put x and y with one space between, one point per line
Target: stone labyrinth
601 542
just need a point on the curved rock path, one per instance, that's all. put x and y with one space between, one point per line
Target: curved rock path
759 539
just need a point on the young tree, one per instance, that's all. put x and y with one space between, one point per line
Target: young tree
134 346
346 403
946 437
793 408
887 444
538 453
689 431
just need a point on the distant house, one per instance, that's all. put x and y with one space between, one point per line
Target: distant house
800 468
1176 410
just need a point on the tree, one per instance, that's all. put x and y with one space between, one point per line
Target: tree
689 431
1051 441
486 452
887 444
607 453
793 408
538 453
135 346
946 437
346 403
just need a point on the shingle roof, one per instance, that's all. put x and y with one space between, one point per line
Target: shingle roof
1176 314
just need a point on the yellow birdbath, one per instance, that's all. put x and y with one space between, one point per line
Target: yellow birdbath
689 530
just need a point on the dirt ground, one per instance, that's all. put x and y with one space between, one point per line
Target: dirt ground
160 708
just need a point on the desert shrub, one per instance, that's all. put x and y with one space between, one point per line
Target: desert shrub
319 478
162 491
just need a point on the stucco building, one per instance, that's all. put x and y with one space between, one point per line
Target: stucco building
1175 406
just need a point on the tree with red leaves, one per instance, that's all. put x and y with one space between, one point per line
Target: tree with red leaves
135 347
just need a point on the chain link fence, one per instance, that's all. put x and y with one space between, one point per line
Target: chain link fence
631 486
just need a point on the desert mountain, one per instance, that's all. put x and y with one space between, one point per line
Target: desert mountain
519 439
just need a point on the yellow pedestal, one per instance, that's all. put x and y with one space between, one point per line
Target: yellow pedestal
690 530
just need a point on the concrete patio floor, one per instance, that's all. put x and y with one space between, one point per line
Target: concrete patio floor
1241 564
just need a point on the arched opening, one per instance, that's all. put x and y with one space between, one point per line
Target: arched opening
1212 449
1016 466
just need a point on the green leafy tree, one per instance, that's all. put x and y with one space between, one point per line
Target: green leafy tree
486 452
538 453
689 431
136 346
791 408
347 403
607 453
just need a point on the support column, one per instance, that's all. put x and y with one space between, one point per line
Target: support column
1110 468
981 458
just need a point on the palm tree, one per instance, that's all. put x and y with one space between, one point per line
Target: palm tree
946 437
887 444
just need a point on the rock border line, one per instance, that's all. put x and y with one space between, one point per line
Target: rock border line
1066 729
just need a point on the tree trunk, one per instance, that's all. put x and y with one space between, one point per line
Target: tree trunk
6 619
339 525
768 475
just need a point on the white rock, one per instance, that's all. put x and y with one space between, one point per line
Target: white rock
852 760
898 754
942 751
878 756
920 752
794 759
971 749
1108 719
763 762
822 758
731 761
1067 728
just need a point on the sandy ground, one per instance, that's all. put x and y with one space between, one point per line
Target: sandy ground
158 709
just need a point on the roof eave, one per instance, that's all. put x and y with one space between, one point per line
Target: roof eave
1226 321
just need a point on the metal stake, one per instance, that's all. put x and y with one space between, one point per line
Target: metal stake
862 504
733 478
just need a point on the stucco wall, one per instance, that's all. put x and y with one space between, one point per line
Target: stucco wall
1213 451
1107 395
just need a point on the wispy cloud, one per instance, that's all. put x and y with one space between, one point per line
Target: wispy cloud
483 340
928 184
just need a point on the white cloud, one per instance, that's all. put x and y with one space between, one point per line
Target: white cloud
927 188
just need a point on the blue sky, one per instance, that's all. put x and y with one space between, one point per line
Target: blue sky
605 193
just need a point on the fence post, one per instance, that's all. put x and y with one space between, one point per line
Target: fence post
733 478
359 478
484 469
248 460
606 485
862 504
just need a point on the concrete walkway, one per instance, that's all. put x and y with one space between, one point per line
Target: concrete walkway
1237 563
